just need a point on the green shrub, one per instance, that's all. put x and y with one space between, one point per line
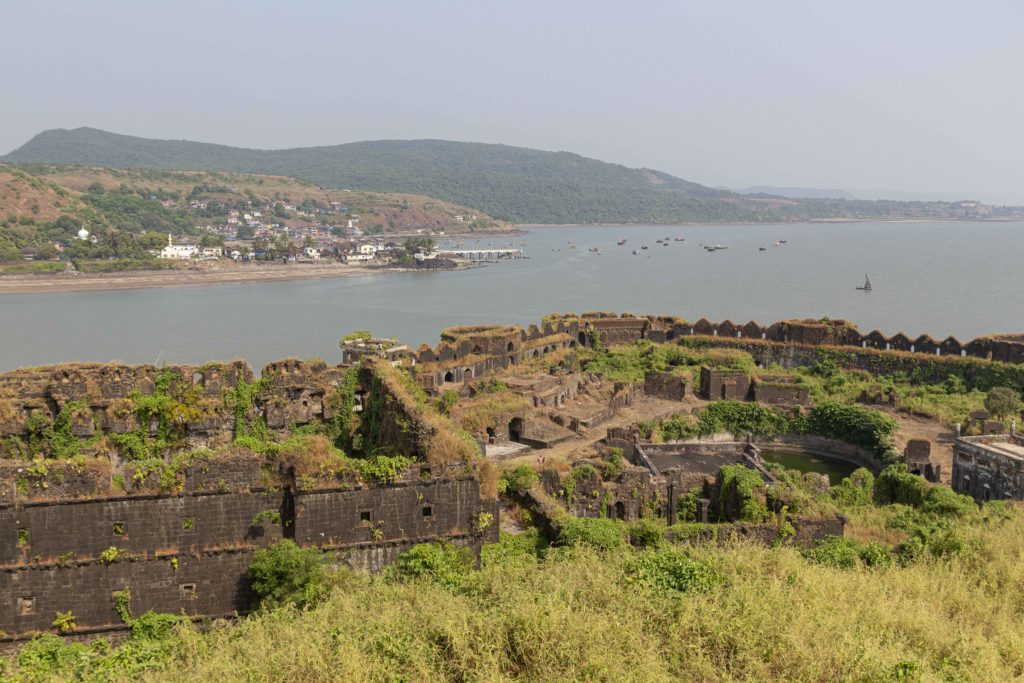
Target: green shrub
382 468
513 548
613 466
845 553
446 400
939 539
864 427
942 500
896 485
671 570
741 495
518 480
686 505
448 565
646 533
601 534
858 489
1002 402
64 622
285 573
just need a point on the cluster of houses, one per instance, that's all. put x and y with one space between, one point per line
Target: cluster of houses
347 251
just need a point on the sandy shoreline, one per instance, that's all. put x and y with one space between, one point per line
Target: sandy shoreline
42 284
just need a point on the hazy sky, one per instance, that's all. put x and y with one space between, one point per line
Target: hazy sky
919 96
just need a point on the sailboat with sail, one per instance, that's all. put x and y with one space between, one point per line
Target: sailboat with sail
866 287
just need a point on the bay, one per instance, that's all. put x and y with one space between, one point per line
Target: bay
963 279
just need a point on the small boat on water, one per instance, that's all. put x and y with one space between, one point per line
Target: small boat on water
644 247
762 249
782 241
621 242
866 287
664 244
680 239
636 253
658 241
594 249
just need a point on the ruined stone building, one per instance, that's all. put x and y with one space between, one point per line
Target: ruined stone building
989 467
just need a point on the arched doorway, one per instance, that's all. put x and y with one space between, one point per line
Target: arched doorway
492 436
620 510
583 338
449 376
515 429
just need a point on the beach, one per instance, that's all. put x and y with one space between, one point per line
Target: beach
263 272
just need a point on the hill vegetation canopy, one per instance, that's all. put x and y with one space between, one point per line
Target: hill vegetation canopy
509 183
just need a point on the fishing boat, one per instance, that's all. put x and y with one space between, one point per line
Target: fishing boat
866 287
644 247
680 239
621 242
762 249
636 253
594 249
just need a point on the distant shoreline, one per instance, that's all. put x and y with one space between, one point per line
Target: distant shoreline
823 221
45 284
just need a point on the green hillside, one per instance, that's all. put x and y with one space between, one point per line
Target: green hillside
509 183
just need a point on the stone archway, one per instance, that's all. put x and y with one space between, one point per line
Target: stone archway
515 429
620 510
449 376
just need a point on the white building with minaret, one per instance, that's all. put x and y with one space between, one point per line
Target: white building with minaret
180 252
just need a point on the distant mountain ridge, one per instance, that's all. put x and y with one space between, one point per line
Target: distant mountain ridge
509 183
798 192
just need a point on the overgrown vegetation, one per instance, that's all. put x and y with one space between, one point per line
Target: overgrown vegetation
865 427
940 600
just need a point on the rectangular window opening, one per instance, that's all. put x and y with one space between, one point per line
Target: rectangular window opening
428 511
26 606
188 590
364 516
119 528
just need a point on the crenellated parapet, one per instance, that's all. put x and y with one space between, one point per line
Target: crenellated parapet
467 353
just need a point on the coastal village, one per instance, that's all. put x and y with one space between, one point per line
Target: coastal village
67 221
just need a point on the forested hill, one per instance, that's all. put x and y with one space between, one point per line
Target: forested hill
509 183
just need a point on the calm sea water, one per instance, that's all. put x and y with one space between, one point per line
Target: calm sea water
941 278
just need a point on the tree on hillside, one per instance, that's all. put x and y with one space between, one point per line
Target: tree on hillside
1002 402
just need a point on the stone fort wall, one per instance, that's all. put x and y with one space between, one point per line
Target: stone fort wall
189 553
180 537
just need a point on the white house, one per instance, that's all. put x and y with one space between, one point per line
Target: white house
368 250
181 252
356 256
312 253
213 252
